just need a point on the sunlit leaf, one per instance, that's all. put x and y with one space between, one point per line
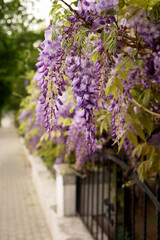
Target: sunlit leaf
132 137
139 131
123 74
121 143
118 83
67 122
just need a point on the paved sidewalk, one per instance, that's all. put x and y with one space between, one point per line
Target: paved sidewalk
21 217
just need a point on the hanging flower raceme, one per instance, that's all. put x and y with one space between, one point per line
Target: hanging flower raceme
51 76
76 141
85 86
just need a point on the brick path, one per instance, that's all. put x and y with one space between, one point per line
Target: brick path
21 217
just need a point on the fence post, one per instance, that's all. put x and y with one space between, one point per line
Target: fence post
65 190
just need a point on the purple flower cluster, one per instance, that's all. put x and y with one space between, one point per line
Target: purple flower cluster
51 78
149 31
24 114
98 6
85 86
39 115
148 76
118 107
155 140
90 11
76 141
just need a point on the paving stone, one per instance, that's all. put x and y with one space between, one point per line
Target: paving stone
21 217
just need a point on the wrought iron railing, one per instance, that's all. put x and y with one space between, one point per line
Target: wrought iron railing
114 204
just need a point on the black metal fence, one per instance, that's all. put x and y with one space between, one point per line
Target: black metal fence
114 204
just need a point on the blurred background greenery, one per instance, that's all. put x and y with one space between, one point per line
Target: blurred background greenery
18 50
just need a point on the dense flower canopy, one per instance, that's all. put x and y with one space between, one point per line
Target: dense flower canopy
105 56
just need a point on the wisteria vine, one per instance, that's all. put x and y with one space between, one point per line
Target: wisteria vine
106 56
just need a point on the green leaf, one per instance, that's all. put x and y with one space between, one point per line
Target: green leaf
101 118
67 122
139 131
147 96
32 133
108 90
121 143
111 88
108 38
60 120
144 169
114 89
121 64
45 137
99 28
53 35
103 34
55 1
137 150
123 74
111 46
144 149
63 43
155 12
84 29
52 134
121 3
103 14
58 134
134 53
95 56
132 114
55 8
80 37
75 3
103 126
132 137
130 65
72 109
69 99
118 83
146 122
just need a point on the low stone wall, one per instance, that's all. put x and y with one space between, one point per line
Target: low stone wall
61 227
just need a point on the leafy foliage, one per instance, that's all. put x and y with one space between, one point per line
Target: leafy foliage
17 52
